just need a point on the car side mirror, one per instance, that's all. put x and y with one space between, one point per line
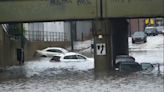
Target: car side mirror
147 66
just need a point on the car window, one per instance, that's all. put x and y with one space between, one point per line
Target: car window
70 57
54 50
147 66
129 67
80 57
138 34
150 29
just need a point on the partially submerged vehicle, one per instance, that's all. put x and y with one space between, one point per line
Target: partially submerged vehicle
51 51
70 57
151 31
126 63
139 37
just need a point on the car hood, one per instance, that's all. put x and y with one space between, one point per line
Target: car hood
90 59
138 37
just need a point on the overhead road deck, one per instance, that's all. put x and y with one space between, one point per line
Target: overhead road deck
53 10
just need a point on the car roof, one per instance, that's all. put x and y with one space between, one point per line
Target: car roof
53 48
59 48
149 27
124 57
139 32
71 53
67 54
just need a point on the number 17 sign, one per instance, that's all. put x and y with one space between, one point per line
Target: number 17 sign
101 49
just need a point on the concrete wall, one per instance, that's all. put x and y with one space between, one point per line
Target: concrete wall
8 49
136 25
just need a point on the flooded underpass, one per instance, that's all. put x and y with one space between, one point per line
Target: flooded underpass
84 81
43 76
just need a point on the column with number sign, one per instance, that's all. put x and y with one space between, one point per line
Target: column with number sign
103 49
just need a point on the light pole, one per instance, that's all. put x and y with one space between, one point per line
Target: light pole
138 24
73 34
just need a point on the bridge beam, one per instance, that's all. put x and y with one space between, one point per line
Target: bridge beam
55 10
47 10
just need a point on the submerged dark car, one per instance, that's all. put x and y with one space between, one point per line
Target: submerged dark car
139 37
127 64
123 58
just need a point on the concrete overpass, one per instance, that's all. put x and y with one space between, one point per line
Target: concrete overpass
52 10
110 26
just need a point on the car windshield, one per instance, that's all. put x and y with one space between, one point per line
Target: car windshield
150 29
54 50
70 57
124 58
80 57
138 34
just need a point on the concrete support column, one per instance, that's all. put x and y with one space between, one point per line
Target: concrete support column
1 46
120 37
110 35
103 47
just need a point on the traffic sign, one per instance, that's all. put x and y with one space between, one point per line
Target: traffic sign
101 49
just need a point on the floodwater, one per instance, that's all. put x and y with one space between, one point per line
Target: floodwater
84 81
43 76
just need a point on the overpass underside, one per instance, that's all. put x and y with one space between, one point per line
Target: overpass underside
110 26
52 10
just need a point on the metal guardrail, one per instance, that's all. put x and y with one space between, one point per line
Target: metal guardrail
38 35
45 36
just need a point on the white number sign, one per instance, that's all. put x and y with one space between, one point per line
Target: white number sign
101 49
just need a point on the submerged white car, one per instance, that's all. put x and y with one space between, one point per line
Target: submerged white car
71 57
51 51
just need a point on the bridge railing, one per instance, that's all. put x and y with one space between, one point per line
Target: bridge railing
45 36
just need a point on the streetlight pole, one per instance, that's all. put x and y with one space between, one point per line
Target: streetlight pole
22 43
73 31
138 25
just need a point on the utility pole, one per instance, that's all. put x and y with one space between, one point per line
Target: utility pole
138 24
73 33
22 43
